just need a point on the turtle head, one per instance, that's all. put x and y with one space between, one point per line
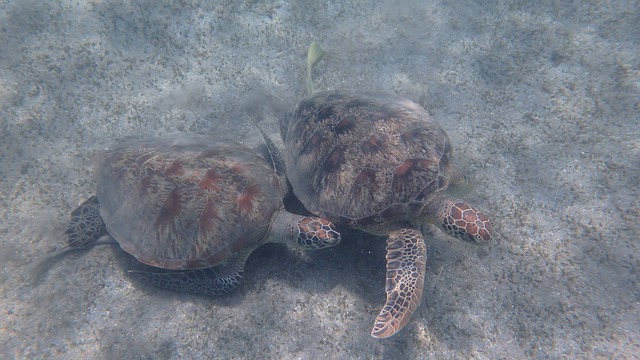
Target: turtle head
317 233
464 221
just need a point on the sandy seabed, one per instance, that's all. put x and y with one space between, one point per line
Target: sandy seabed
541 101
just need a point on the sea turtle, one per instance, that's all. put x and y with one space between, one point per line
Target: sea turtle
187 204
379 163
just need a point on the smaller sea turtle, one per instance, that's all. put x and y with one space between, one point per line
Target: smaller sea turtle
379 163
188 204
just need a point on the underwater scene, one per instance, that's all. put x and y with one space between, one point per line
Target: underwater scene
319 180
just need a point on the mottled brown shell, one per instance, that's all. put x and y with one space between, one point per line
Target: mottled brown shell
186 202
362 159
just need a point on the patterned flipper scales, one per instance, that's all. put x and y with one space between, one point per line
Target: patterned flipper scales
406 262
208 281
86 226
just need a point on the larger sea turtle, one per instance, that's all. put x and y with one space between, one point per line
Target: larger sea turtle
187 204
379 163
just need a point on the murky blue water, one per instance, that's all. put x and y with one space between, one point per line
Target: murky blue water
541 102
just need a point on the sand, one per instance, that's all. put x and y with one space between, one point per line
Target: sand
541 101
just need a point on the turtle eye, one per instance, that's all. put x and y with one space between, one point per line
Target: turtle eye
317 233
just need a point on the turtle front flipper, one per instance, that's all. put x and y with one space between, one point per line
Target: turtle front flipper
208 281
406 262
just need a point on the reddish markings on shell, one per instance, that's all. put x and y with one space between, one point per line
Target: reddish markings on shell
209 217
414 137
315 140
410 166
368 186
334 161
377 143
382 114
144 184
366 178
247 198
325 113
411 177
346 125
466 221
356 103
210 181
170 209
328 174
239 168
175 168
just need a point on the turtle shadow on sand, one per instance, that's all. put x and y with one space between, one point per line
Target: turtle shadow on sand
36 271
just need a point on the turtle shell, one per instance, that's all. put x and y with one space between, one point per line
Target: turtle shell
186 202
362 159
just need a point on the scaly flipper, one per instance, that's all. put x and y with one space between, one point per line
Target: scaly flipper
209 281
86 226
406 262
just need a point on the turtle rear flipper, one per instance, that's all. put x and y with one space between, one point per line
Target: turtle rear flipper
208 281
86 226
406 263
